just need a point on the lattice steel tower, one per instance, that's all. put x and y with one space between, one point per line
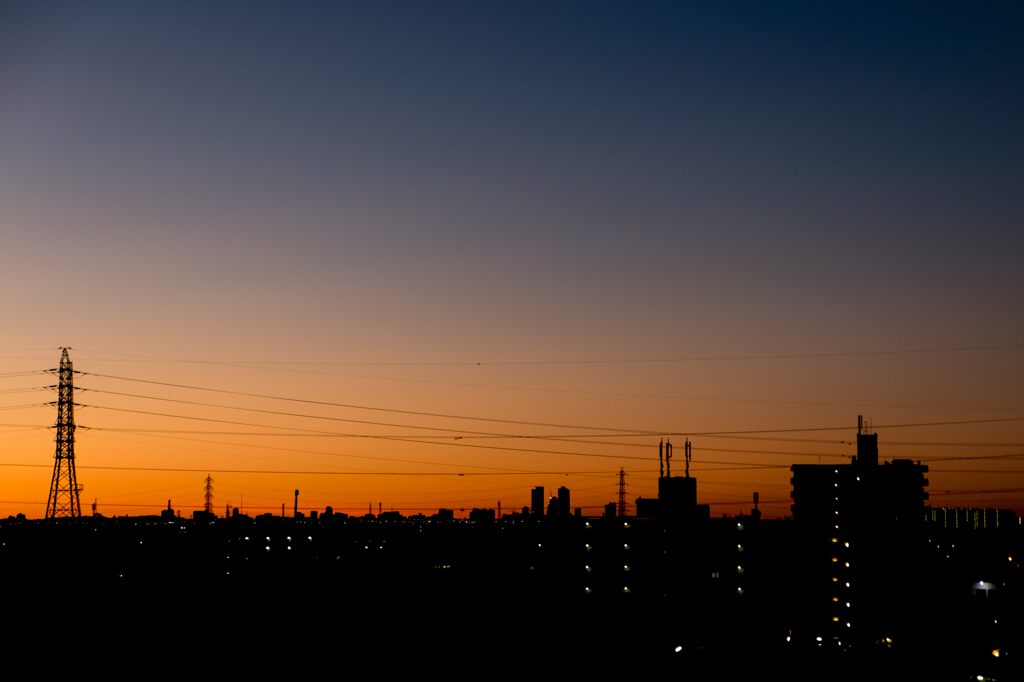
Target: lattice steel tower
64 488
622 491
208 495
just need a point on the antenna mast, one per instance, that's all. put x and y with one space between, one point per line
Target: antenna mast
64 488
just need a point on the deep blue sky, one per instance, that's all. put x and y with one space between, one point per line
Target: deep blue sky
764 172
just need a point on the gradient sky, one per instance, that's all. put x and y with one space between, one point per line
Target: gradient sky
462 183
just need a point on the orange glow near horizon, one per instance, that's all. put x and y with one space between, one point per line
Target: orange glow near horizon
356 459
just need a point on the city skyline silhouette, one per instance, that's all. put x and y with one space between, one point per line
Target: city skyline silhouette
471 281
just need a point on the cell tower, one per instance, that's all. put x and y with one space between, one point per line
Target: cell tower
64 488
622 491
208 495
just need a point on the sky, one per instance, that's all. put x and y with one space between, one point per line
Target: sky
597 223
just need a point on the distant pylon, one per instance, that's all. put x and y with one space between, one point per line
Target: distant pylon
64 488
622 491
208 495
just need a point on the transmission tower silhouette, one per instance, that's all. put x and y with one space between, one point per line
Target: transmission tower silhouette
64 488
622 491
208 495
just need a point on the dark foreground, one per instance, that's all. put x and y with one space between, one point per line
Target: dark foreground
592 595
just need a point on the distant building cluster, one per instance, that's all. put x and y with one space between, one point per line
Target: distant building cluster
860 564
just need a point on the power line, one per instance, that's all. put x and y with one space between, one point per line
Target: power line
314 452
375 409
729 466
475 433
571 426
623 395
976 471
401 440
291 414
413 439
794 356
25 374
25 390
324 473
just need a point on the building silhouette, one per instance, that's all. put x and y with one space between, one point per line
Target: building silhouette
537 501
859 525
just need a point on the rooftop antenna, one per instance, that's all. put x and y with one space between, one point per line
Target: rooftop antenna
860 423
208 495
64 497
757 498
622 491
668 458
661 459
687 452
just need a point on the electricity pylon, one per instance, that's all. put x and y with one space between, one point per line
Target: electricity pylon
64 488
208 495
622 491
